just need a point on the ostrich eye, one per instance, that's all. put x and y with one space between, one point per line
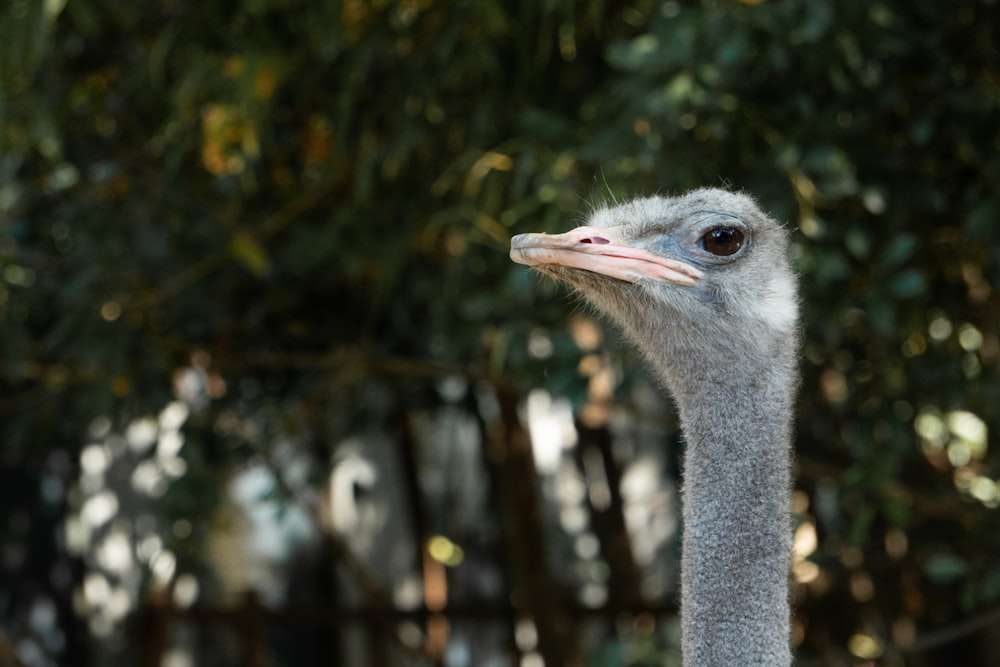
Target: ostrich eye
722 241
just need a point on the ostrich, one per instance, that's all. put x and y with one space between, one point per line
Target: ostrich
702 285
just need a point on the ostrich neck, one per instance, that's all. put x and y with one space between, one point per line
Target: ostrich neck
736 545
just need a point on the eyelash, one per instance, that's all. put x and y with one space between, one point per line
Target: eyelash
646 228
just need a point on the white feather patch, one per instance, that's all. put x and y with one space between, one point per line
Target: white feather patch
777 305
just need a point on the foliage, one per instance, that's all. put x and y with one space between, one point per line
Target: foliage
293 217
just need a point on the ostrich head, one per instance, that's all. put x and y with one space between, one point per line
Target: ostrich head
701 283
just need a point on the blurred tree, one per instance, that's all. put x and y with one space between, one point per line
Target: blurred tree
245 248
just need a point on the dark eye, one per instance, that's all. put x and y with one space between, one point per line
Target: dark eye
722 241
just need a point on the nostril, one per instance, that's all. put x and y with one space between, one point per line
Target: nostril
597 239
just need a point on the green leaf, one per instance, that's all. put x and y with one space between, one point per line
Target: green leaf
249 252
945 568
989 586
634 55
982 220
858 243
907 284
861 525
900 249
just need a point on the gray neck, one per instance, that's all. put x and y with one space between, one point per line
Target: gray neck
737 540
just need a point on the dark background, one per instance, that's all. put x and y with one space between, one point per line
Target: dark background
269 383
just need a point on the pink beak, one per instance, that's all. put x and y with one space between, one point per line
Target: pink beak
599 250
